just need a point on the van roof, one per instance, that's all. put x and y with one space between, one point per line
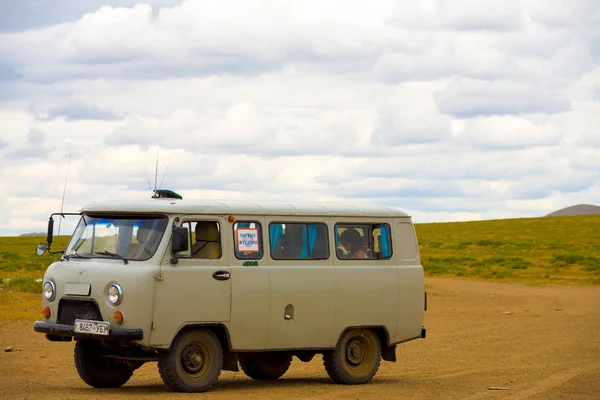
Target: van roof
223 207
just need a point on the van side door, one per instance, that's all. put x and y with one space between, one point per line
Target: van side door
250 287
366 275
302 284
195 290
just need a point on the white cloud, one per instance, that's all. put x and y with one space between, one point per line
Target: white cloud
461 15
505 132
74 112
447 54
468 98
449 110
201 38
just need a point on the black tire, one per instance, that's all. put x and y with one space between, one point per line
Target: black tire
194 362
265 366
98 371
355 359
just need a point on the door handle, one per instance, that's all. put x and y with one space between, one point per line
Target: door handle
221 275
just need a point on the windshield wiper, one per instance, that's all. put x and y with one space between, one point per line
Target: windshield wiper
113 255
74 255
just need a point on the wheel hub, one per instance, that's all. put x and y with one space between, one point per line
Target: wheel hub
355 351
193 359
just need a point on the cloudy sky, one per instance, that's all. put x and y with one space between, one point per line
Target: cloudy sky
449 110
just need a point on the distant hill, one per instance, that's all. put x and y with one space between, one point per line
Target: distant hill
579 209
33 234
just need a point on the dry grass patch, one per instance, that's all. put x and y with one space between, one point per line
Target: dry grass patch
19 306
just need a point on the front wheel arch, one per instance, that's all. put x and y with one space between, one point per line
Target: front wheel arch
230 358
219 330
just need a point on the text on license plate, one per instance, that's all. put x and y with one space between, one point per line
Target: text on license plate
92 327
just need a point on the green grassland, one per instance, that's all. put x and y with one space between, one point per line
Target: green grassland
20 266
535 250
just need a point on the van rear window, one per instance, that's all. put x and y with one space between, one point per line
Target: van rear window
363 241
298 241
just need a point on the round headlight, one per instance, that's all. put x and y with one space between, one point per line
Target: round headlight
49 290
115 294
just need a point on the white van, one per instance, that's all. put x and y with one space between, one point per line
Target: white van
202 286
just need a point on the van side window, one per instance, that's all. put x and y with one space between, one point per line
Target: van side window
205 240
247 237
363 241
298 241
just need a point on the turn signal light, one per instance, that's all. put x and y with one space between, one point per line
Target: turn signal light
46 312
118 317
231 218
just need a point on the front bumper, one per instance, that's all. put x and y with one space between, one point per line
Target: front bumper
61 332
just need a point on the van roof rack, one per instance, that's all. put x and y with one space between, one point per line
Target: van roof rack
166 194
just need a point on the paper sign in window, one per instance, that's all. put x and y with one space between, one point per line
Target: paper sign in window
247 240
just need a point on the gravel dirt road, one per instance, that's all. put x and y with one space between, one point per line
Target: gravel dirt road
535 342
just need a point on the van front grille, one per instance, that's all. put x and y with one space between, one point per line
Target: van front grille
69 310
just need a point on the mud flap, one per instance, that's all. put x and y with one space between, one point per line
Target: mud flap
388 353
230 361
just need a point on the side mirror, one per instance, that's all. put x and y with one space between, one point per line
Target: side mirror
41 249
50 232
179 239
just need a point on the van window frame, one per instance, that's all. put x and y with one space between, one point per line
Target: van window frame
118 216
260 243
187 222
357 224
280 222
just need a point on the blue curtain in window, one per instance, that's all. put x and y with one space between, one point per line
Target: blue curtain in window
305 250
384 241
275 233
309 236
240 225
312 237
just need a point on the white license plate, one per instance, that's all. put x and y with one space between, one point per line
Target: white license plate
92 327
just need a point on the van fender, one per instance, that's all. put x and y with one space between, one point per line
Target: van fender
388 350
230 358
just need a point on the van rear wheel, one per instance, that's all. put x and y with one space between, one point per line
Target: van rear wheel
265 366
355 359
194 362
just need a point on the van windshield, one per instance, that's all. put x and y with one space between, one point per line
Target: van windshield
124 237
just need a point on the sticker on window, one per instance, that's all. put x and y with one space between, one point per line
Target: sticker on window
247 240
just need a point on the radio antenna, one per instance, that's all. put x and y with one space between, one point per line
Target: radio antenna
157 187
156 171
62 205
148 178
163 178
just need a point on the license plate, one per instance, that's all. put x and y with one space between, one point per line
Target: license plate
92 327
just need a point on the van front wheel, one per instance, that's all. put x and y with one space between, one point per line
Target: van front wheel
265 366
99 371
194 362
355 359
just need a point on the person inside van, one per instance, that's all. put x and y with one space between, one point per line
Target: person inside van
352 244
208 244
147 241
